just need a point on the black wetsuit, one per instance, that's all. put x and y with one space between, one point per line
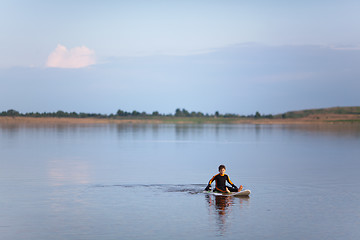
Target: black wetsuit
220 183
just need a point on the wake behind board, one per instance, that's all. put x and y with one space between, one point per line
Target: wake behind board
241 193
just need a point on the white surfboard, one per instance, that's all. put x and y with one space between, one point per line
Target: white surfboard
245 192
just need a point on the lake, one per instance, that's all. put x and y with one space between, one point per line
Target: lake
146 181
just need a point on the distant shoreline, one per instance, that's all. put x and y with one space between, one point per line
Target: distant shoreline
333 115
313 119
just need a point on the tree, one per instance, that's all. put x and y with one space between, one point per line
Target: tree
60 114
12 113
257 115
199 114
74 115
135 113
185 113
122 113
217 114
178 112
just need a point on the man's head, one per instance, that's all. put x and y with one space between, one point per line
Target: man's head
222 169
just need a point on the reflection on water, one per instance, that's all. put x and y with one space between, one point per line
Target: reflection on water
187 130
220 207
334 130
201 131
63 172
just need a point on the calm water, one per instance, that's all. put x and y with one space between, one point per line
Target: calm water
146 181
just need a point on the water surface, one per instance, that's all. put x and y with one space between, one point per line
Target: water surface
146 182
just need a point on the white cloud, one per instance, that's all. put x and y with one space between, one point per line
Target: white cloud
77 57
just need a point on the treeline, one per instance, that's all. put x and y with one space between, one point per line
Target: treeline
333 110
134 114
58 114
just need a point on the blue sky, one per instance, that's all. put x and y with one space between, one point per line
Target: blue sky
227 56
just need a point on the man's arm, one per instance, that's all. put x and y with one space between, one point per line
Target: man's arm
231 183
208 187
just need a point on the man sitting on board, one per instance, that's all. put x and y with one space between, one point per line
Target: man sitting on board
220 182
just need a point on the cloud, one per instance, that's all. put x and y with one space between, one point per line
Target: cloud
77 57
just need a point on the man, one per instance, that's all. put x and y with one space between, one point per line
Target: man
220 182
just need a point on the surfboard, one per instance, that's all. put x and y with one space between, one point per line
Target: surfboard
245 192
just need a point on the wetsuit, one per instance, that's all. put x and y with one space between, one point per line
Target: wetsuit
220 183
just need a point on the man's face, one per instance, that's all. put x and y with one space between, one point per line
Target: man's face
222 171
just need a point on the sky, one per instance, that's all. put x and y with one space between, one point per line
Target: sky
228 56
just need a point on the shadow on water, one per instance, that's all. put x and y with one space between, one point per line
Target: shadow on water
221 208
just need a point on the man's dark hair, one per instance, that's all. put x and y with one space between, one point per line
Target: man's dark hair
221 167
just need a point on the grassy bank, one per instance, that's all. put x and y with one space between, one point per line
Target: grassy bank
336 115
321 111
168 120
